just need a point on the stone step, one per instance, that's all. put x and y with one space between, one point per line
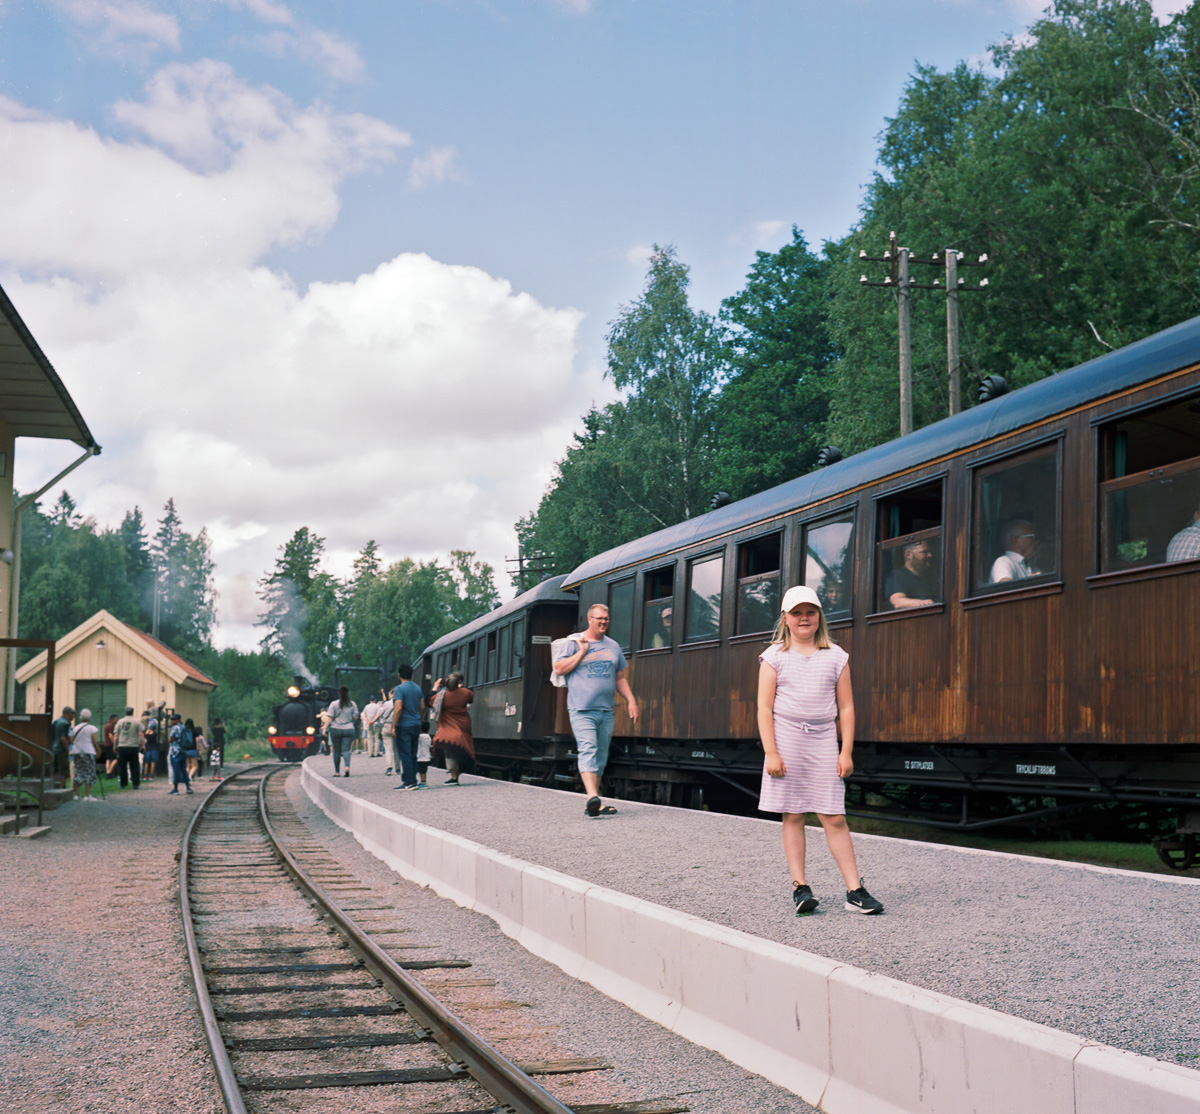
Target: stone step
29 830
34 832
51 798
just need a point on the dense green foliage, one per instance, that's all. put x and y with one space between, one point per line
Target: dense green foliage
70 569
1074 166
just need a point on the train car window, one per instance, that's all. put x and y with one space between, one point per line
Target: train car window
1015 512
1150 488
828 563
908 566
620 612
758 584
503 656
472 663
704 598
656 612
518 648
490 674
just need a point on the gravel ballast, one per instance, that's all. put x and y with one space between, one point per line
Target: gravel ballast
1107 955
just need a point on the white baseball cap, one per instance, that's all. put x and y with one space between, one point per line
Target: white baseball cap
798 595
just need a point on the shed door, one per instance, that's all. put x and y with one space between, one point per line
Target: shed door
102 697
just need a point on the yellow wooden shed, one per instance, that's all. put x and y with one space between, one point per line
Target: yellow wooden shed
107 665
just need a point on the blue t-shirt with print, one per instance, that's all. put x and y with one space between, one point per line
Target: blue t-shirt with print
408 695
592 684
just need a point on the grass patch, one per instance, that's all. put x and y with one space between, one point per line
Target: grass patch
1126 856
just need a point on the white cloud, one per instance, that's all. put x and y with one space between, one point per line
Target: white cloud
335 56
225 172
436 165
267 10
1165 9
112 23
422 405
639 253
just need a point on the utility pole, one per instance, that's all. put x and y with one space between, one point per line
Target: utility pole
529 565
898 259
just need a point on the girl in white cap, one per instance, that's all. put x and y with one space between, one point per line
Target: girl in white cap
803 691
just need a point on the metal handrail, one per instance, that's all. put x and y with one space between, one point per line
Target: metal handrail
25 761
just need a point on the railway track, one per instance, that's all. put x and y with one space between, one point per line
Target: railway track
303 1006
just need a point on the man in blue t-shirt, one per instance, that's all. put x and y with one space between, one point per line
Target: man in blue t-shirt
595 671
408 703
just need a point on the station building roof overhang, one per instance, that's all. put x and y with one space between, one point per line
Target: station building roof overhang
33 400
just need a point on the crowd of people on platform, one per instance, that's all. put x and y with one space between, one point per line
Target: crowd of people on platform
131 749
404 729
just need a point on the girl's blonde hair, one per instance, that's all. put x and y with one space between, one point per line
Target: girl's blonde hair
783 636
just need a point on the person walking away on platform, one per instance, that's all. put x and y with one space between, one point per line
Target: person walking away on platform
453 741
341 730
408 702
150 756
191 753
201 751
216 749
180 742
128 735
595 671
60 743
803 692
387 735
83 755
108 749
371 725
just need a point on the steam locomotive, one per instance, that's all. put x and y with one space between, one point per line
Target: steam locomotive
295 729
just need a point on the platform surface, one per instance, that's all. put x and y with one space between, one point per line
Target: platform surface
1106 955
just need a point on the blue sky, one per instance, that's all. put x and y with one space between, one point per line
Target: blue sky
350 265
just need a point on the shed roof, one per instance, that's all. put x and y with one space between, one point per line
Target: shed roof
1169 350
548 590
177 668
35 402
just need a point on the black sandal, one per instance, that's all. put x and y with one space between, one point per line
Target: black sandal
592 808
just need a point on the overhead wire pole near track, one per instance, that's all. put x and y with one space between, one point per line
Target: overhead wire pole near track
536 565
898 259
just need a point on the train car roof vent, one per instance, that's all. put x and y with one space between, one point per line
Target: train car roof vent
992 386
721 499
831 454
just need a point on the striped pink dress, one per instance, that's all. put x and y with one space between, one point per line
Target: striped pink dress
805 718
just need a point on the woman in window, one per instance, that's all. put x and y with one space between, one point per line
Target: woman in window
803 691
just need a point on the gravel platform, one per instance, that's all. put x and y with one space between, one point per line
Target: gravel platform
1107 955
96 1007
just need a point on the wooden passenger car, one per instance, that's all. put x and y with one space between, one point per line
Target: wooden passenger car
518 717
1081 681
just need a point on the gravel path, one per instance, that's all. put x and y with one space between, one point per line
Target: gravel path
1107 955
96 1010
648 1060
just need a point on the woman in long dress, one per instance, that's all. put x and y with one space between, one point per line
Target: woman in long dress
453 740
803 692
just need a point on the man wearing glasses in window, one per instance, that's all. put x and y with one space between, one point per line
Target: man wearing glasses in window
1020 544
595 671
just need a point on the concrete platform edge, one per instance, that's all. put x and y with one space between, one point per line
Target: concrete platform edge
841 1038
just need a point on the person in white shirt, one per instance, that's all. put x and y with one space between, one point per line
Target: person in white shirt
1020 544
1185 546
370 722
83 751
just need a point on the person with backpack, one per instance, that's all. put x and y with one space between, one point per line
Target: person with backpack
181 742
594 668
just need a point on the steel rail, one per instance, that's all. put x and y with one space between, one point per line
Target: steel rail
226 1076
495 1073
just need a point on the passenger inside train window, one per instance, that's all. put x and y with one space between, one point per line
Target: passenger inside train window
1185 546
656 612
1015 520
829 564
912 583
1020 546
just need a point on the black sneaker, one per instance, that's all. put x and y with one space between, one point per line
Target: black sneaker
859 901
803 897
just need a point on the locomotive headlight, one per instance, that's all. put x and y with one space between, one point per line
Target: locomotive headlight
271 730
310 730
293 692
